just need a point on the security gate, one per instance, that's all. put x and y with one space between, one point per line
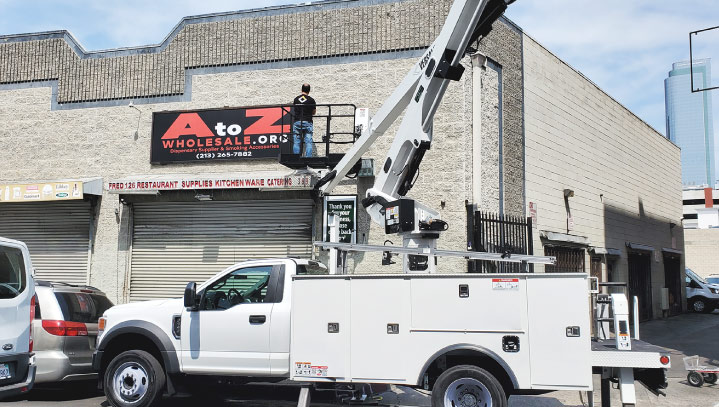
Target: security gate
178 242
494 233
569 259
57 235
640 282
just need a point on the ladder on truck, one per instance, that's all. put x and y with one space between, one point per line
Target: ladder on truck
339 251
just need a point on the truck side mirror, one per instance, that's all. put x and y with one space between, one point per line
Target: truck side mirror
191 297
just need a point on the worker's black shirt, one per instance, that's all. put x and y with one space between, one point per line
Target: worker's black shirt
304 106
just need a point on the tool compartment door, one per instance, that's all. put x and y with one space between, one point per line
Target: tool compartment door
316 353
557 358
378 351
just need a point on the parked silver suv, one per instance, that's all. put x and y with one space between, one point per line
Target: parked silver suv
65 330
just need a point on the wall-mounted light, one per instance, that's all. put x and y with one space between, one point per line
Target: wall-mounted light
136 135
568 193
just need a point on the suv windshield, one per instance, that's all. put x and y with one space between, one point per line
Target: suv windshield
82 307
12 272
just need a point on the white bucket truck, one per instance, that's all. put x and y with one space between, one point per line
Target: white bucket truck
473 339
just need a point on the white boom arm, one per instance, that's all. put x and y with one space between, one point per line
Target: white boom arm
420 94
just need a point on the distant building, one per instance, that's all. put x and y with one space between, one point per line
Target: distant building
690 123
696 201
701 229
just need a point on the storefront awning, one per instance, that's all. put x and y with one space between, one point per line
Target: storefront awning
49 190
672 251
563 237
637 246
152 184
607 251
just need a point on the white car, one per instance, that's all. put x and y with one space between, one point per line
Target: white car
702 296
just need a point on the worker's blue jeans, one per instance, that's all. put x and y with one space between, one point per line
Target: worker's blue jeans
300 128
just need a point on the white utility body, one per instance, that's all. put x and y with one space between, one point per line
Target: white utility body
392 328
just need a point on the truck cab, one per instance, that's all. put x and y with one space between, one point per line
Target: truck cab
236 324
256 296
702 296
17 307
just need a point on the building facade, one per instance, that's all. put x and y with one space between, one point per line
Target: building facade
139 230
690 122
97 207
602 200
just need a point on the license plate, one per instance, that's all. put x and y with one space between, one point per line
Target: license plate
4 371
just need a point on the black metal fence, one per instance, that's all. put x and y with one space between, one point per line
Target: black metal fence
494 233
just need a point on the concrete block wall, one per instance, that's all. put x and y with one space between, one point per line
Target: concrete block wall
702 251
626 177
504 46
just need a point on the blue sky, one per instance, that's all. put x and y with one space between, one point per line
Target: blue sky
625 47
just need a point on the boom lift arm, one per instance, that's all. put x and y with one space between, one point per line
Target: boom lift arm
419 94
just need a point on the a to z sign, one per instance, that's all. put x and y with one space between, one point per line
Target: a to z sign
228 134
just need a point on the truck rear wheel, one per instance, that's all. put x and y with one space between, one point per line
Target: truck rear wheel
134 379
467 386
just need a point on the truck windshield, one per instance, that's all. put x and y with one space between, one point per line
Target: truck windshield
693 275
12 272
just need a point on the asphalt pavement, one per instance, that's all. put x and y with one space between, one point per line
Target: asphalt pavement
683 335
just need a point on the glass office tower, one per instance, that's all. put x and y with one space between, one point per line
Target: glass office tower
689 121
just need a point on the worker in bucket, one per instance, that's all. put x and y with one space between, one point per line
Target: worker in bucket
304 108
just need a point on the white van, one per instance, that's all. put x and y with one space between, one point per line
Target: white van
17 309
702 296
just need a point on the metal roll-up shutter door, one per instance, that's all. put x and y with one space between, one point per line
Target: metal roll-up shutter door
174 243
56 233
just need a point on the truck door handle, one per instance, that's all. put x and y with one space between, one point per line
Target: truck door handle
258 319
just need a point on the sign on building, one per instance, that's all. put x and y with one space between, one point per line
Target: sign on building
221 134
345 207
262 181
50 191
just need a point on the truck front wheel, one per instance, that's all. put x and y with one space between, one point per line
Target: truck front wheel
700 304
467 386
134 379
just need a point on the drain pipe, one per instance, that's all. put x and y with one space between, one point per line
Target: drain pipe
636 318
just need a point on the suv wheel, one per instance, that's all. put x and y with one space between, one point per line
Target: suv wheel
134 379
